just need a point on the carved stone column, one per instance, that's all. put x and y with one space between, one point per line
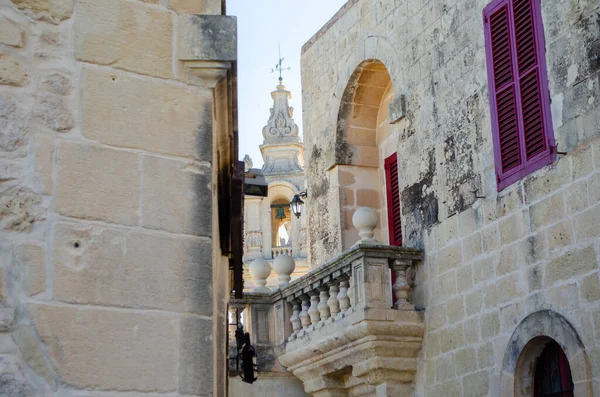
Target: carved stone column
323 307
295 319
401 287
332 302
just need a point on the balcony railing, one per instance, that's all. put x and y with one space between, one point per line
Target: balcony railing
283 250
345 317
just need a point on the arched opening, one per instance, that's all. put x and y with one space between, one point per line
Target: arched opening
552 373
281 223
545 357
362 149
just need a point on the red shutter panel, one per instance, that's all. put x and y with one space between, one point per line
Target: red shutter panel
504 104
529 79
393 200
520 105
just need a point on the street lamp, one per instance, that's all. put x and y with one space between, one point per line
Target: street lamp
297 205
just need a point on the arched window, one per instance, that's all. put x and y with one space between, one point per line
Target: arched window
552 373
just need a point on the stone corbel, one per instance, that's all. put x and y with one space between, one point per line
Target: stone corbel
207 45
397 109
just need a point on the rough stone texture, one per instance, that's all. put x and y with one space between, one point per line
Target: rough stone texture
12 380
142 358
11 33
125 35
54 112
20 208
171 196
112 267
13 122
205 7
7 317
57 83
12 71
97 183
159 117
10 170
31 261
51 10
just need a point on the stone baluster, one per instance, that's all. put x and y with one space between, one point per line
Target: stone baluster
313 311
351 290
401 287
334 305
295 319
304 316
342 297
323 306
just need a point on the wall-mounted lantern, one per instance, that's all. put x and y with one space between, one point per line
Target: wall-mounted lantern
297 205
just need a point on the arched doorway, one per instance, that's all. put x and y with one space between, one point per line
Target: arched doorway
553 373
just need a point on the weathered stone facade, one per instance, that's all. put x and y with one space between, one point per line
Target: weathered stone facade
116 118
410 77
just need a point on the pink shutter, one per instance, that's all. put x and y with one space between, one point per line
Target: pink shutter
393 200
519 99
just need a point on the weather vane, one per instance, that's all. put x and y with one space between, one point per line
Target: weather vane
279 67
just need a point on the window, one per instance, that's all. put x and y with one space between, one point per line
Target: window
518 86
552 373
393 200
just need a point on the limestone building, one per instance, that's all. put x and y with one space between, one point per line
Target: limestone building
471 130
118 137
270 227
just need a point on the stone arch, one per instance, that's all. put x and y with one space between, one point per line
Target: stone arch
357 120
372 48
527 343
280 192
362 125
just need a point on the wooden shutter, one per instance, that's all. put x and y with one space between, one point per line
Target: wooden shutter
519 99
393 200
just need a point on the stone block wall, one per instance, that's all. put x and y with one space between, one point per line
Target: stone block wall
111 276
490 262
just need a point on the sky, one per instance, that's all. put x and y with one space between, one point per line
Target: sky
261 25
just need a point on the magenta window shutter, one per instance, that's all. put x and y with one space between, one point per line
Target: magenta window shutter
518 85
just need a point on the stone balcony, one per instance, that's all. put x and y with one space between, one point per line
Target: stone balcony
343 329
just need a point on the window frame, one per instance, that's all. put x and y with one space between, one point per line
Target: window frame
547 156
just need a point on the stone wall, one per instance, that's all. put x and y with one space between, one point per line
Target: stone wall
490 262
108 233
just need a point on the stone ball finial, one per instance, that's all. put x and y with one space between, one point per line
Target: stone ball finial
260 270
365 219
284 266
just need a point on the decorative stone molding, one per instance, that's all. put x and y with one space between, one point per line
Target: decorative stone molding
207 44
280 126
254 239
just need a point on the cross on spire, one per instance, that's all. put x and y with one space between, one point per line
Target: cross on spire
279 66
